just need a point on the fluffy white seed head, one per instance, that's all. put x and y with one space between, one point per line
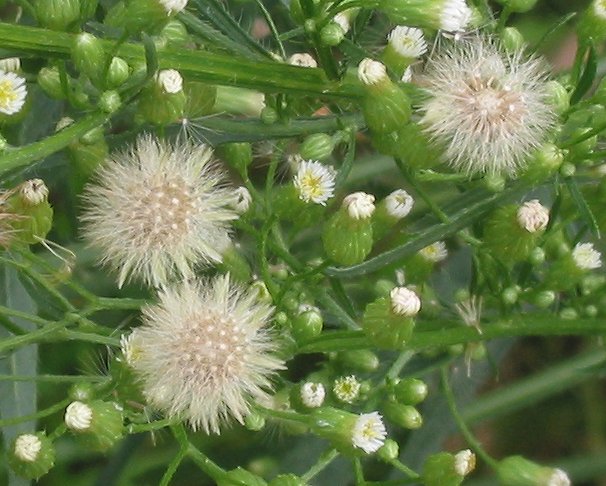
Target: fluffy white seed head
302 59
157 211
78 416
455 16
27 447
599 8
371 71
435 253
242 200
205 352
170 81
586 257
10 64
465 462
12 92
399 204
359 205
313 394
559 478
533 216
346 388
488 109
33 192
369 432
409 42
405 302
173 6
315 182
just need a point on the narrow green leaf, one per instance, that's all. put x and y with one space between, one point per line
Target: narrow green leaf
584 210
587 78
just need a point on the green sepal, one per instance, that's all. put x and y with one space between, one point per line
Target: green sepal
384 328
33 222
44 461
58 15
347 241
106 426
386 107
439 470
519 471
406 416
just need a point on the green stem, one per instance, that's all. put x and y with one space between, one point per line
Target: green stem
469 437
404 469
358 472
284 415
397 366
35 416
272 27
39 335
151 426
23 315
55 378
173 466
116 303
324 460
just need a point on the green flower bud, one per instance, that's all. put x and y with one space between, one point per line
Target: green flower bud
287 480
110 101
510 295
512 39
388 321
31 456
118 72
331 34
362 360
89 57
163 101
49 80
543 299
240 477
410 391
591 311
445 469
175 33
389 451
143 15
537 257
97 424
410 144
570 269
420 266
347 235
269 115
57 14
233 261
349 433
254 421
390 211
30 203
518 471
385 105
82 392
569 314
427 14
592 25
545 162
406 416
318 146
512 231
518 6
567 169
307 323
559 97
494 182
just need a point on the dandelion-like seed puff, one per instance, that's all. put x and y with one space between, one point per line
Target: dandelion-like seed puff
204 353
158 210
488 108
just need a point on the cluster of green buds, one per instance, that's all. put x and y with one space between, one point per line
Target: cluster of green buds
403 397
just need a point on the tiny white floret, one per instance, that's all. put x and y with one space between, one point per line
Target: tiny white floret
33 192
78 416
369 432
559 478
27 447
465 462
12 92
371 71
405 302
399 204
435 253
315 182
313 394
302 59
533 216
10 64
408 42
346 388
359 205
342 20
170 80
586 257
455 16
173 6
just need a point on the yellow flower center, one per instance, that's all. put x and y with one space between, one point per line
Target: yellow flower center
7 93
312 185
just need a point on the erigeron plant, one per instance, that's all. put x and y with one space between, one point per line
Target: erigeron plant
286 238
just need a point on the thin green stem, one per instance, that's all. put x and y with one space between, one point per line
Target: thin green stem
39 335
284 415
55 378
35 416
404 469
151 426
23 315
324 460
173 466
272 27
358 472
465 431
397 366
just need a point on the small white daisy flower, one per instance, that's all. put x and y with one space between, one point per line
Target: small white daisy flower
371 71
315 182
399 204
465 462
27 447
408 41
78 416
488 108
369 432
12 93
359 205
559 478
405 302
10 64
158 210
242 200
302 59
173 6
533 216
435 253
205 352
586 257
346 388
170 80
313 394
455 16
